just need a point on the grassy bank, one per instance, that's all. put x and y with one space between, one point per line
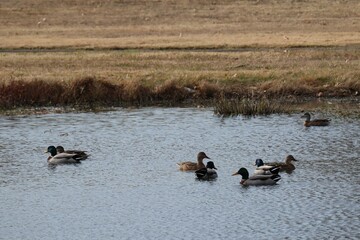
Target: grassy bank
114 53
145 77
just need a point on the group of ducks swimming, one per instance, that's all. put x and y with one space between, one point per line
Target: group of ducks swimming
58 155
264 174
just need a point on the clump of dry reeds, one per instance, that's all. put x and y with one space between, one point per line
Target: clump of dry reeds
171 91
91 92
33 93
248 107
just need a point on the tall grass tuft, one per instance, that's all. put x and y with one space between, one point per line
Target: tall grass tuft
34 93
171 91
248 107
89 91
134 91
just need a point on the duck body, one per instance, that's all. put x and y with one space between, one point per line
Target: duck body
284 166
62 158
315 122
82 154
262 169
193 166
207 173
256 180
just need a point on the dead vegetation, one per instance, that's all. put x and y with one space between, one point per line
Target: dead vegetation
177 24
109 53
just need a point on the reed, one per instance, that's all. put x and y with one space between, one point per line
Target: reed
90 92
30 93
248 107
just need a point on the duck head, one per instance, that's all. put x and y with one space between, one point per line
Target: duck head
60 149
243 172
51 150
289 159
307 116
210 165
202 155
259 162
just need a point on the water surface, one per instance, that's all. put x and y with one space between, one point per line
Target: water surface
130 187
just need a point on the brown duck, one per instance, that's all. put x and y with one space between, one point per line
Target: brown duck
315 122
192 166
286 166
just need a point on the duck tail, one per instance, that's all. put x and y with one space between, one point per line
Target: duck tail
78 157
276 177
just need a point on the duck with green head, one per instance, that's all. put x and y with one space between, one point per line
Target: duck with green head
208 172
256 180
262 169
315 122
61 158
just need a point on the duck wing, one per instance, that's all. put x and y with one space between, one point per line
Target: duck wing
201 173
264 167
260 177
65 158
187 166
64 155
83 154
277 164
320 122
273 177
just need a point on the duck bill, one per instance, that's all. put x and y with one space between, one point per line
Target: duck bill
235 174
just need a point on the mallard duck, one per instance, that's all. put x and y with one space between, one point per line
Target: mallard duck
284 166
191 166
262 169
208 172
256 180
83 154
61 158
315 122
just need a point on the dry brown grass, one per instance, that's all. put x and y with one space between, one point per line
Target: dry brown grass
180 23
176 50
296 71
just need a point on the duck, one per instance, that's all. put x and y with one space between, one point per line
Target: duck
192 166
61 158
284 166
262 169
83 154
315 122
208 172
256 180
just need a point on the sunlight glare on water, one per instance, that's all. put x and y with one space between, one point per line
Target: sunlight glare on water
130 187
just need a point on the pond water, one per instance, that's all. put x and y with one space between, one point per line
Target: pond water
130 187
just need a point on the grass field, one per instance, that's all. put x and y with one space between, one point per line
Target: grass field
152 49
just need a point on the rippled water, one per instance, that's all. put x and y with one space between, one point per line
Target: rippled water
130 187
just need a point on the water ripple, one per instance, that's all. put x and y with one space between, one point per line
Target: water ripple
130 187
